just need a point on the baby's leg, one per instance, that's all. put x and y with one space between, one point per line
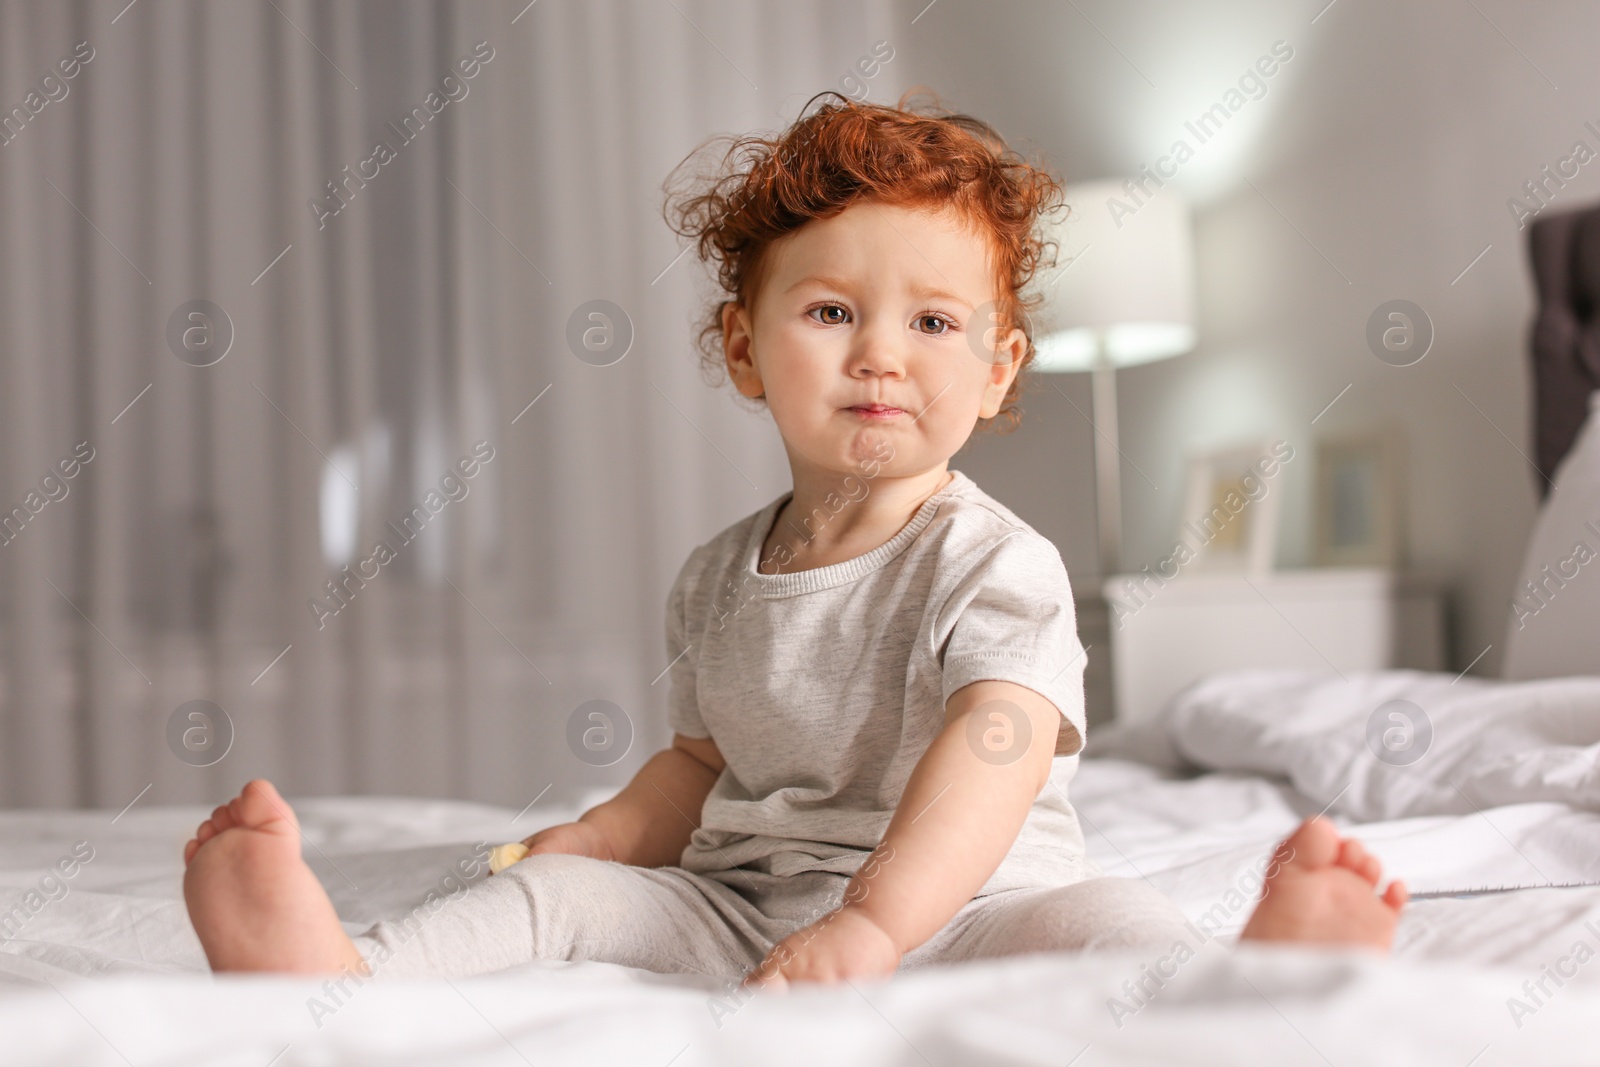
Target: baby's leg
1321 889
559 907
1096 914
257 907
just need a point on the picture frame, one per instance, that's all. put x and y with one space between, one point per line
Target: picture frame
1356 513
1231 508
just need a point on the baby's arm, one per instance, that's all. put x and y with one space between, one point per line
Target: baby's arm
649 822
957 819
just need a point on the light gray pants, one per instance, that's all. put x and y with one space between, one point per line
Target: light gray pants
668 920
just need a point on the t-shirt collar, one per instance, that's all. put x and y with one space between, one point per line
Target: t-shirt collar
807 581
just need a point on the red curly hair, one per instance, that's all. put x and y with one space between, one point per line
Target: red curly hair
844 152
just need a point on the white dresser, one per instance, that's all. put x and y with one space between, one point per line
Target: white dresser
1336 619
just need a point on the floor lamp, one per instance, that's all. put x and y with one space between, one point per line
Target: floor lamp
1121 293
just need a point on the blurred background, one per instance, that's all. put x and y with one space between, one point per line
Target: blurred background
277 343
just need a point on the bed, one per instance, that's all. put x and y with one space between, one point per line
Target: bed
1487 785
1507 793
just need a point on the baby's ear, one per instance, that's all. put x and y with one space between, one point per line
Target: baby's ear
737 352
1004 365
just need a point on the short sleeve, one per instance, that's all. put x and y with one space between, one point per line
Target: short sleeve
1011 619
683 705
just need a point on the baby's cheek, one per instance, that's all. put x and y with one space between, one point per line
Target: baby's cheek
945 432
794 423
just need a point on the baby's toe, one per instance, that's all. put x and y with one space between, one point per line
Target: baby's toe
1354 857
259 803
1315 844
1396 895
211 828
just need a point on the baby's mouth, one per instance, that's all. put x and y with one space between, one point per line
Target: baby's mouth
877 411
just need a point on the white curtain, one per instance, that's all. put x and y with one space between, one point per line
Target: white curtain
368 357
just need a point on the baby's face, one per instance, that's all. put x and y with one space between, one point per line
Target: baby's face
863 332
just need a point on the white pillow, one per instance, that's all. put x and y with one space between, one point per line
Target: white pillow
1554 630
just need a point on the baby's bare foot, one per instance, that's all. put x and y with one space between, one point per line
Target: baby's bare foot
252 899
1322 889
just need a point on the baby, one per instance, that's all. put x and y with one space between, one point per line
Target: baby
876 690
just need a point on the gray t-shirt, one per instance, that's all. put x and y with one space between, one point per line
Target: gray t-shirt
822 688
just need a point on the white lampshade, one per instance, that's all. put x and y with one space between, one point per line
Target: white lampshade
1124 279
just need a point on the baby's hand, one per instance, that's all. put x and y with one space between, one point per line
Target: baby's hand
842 944
572 839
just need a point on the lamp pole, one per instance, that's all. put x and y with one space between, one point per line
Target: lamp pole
1107 468
1133 302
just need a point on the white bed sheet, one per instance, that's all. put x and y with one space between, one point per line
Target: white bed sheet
1444 998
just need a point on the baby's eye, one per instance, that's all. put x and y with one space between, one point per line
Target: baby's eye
828 318
933 324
